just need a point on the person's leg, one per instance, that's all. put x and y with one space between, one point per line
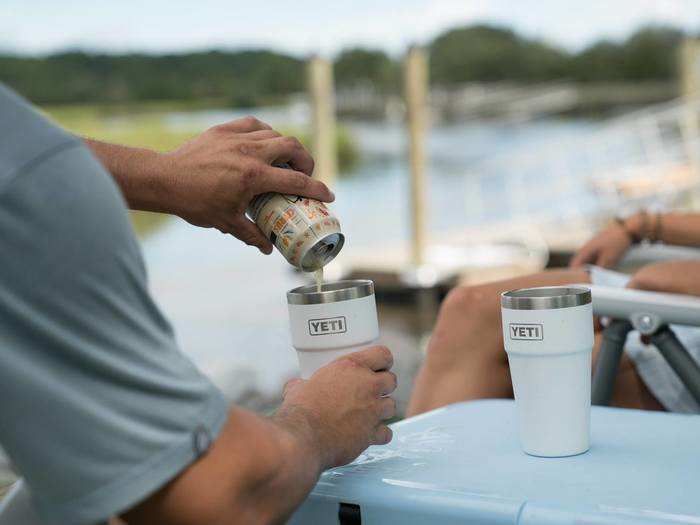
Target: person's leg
629 390
466 360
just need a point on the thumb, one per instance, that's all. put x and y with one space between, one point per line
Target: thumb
607 259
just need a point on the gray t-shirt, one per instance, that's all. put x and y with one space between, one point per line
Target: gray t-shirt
98 407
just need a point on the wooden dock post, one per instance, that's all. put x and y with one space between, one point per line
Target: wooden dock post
690 91
321 93
416 91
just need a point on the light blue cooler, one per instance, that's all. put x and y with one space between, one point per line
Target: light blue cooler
462 464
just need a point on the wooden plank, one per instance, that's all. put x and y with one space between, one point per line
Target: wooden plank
416 86
321 93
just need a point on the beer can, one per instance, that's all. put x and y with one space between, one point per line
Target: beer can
303 230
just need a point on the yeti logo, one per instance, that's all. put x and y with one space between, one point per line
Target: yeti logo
327 326
526 332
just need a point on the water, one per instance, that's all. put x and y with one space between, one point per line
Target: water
227 301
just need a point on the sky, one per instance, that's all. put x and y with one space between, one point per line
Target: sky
314 26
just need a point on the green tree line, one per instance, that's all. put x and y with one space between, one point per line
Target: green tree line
254 77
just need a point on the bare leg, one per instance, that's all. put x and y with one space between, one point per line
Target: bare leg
466 360
629 390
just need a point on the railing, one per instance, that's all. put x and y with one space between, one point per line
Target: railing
645 158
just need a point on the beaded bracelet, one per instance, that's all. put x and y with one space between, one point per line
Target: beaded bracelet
658 229
633 237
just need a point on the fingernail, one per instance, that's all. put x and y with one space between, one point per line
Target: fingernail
332 195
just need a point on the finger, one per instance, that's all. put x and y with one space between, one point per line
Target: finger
387 383
640 282
375 358
634 284
243 125
291 385
606 260
387 408
263 134
575 261
382 435
583 256
248 232
291 182
291 151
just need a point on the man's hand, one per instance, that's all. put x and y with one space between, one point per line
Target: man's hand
210 180
343 405
682 277
605 249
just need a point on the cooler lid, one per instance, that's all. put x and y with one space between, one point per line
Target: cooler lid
463 464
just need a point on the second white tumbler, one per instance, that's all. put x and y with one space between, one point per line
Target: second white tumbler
548 335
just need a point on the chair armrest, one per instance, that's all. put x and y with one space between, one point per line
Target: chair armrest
664 308
638 256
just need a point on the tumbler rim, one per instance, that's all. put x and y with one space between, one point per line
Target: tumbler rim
546 298
332 292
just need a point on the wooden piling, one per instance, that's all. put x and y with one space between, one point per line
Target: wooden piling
690 91
416 92
323 128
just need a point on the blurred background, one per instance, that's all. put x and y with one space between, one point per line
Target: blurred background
464 140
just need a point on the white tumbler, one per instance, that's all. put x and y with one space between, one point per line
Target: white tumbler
548 335
338 320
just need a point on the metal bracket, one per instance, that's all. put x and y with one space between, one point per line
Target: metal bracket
646 324
611 348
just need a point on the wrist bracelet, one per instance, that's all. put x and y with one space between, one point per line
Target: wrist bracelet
644 230
633 237
658 228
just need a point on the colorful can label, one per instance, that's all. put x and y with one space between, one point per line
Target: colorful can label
304 230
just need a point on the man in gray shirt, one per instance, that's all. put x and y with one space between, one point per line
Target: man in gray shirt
100 412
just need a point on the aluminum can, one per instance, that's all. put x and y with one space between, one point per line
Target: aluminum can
303 230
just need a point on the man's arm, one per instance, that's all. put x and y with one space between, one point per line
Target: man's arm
257 471
260 469
135 170
210 180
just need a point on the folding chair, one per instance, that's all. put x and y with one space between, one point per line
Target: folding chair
650 313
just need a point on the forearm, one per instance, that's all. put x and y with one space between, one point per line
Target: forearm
293 459
681 277
258 471
137 172
682 229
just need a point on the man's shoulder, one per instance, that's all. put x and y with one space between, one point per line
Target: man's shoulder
27 136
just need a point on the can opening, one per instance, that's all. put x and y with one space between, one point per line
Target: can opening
322 252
